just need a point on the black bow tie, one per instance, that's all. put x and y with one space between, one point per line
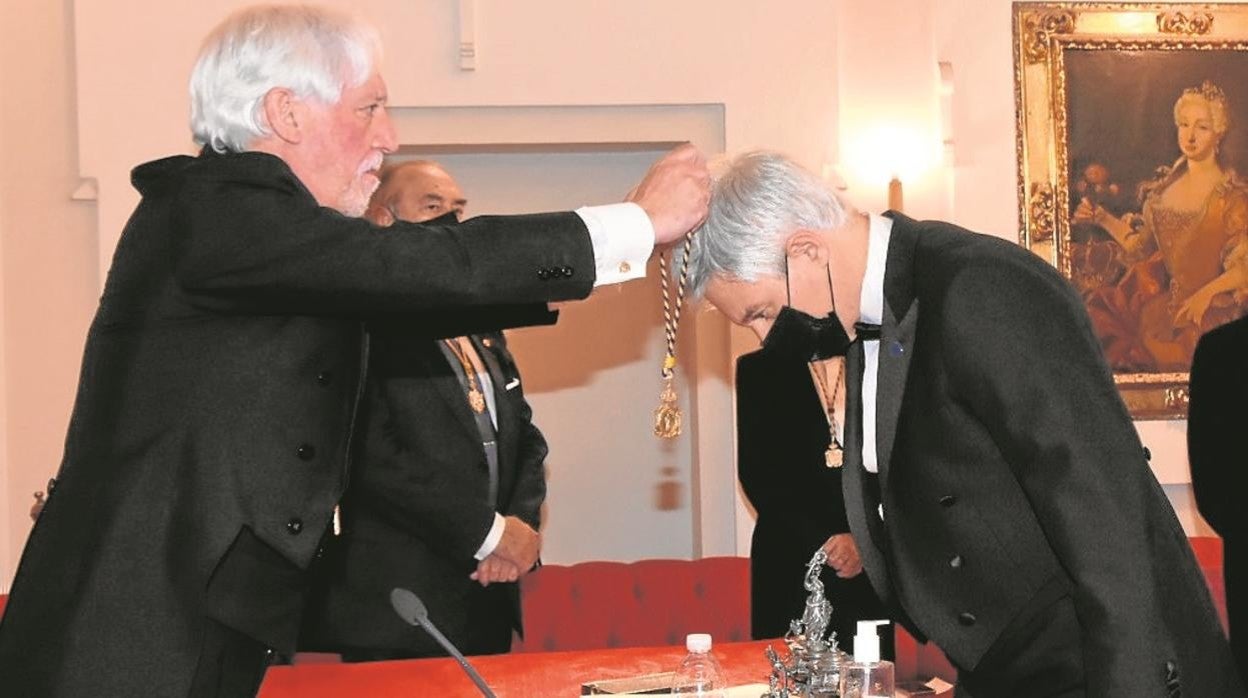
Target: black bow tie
866 332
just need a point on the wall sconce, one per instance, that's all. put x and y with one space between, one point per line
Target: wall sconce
889 155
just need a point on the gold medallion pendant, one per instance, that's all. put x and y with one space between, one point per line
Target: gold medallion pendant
834 457
476 400
667 417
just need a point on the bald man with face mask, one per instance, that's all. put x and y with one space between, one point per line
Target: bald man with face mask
448 481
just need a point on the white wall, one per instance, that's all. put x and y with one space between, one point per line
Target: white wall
5 543
614 490
48 271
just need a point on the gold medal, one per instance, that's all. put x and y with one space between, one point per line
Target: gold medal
834 457
667 418
476 400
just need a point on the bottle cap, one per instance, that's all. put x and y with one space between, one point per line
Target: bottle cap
698 642
867 641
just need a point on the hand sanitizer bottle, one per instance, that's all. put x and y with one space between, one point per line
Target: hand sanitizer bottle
867 676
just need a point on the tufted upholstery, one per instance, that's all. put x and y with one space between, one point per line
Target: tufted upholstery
657 602
650 602
593 605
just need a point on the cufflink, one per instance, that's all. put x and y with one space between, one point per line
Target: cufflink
625 267
514 382
487 342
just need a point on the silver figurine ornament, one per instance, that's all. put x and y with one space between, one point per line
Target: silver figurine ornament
814 664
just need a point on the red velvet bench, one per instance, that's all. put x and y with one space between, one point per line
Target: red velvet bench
593 605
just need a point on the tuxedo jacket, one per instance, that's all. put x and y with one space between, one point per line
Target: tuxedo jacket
210 434
782 434
419 505
1012 482
1216 419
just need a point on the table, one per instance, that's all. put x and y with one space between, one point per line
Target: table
520 675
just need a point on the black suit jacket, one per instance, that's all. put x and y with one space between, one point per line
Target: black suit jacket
782 434
418 506
1012 476
1216 419
209 439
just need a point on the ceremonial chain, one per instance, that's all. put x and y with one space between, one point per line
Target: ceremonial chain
834 457
667 417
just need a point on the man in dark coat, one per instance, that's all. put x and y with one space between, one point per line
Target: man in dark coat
1216 420
449 457
782 438
216 407
993 480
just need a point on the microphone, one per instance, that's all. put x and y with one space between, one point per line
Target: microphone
411 609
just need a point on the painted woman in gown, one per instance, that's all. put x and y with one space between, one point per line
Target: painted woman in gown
1186 250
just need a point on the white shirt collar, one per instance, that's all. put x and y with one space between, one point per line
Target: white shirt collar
871 302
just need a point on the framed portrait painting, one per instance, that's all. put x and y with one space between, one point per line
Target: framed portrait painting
1133 175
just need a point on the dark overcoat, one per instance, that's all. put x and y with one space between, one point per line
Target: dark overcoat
210 435
1014 485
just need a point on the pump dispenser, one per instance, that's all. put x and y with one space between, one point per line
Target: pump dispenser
867 676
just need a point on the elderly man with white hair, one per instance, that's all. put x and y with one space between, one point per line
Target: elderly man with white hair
1000 499
209 442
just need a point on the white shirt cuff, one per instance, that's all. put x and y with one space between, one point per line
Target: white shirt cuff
622 237
492 538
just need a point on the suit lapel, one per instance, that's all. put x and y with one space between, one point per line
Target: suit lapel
487 348
859 503
900 319
504 408
446 372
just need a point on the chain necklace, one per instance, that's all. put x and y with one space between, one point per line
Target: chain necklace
476 398
835 455
667 417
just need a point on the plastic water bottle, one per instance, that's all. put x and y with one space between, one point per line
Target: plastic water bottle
699 674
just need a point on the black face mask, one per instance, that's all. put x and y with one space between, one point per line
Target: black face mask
800 337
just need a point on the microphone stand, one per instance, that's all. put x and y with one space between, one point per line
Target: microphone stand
411 609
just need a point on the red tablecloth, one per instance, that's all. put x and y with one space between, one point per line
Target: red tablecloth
526 675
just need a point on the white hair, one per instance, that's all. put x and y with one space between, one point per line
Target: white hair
758 199
313 51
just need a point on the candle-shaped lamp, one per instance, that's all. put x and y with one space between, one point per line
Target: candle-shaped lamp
894 194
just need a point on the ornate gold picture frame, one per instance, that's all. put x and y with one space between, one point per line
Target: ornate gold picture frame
1132 123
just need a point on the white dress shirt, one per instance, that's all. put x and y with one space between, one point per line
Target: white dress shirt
622 237
871 311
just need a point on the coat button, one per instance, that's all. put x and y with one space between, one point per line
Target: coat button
948 500
966 619
306 452
955 562
543 274
567 272
324 377
295 526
